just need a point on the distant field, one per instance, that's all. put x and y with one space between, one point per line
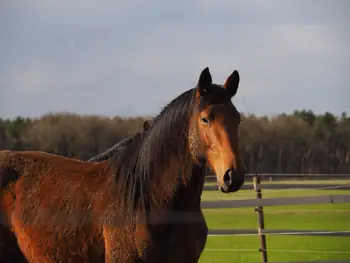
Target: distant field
334 217
308 217
225 249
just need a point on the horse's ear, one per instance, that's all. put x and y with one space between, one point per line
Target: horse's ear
231 84
146 125
204 82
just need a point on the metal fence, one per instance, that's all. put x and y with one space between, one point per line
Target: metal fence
259 203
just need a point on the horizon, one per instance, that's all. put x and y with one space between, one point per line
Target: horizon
152 116
130 60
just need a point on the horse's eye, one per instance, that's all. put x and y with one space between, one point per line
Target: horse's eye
205 120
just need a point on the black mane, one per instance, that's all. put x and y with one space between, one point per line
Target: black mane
116 148
140 161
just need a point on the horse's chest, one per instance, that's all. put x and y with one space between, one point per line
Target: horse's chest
163 244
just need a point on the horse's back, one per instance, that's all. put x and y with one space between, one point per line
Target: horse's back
45 195
17 166
47 179
14 164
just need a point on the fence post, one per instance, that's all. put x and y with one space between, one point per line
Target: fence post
261 225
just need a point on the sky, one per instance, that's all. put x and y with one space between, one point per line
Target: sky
131 58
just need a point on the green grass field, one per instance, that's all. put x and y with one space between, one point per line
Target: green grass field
281 248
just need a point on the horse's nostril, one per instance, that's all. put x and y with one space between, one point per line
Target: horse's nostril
228 177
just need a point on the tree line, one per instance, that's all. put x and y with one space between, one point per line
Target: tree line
300 142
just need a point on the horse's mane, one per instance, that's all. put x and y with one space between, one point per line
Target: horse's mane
115 149
140 161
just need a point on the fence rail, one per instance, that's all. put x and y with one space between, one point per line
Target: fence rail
253 232
283 176
300 200
289 186
293 175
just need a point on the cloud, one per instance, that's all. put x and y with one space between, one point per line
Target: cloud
125 58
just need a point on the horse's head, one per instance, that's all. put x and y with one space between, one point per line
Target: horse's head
213 137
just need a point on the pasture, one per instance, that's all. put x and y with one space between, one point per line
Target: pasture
243 247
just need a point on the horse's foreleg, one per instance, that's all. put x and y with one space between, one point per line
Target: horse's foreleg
197 244
119 246
194 251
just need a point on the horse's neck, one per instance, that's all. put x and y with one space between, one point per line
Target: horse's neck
180 191
188 195
165 184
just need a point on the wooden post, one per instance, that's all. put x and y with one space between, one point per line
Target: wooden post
261 225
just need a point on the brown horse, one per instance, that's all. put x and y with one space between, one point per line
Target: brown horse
134 207
194 243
